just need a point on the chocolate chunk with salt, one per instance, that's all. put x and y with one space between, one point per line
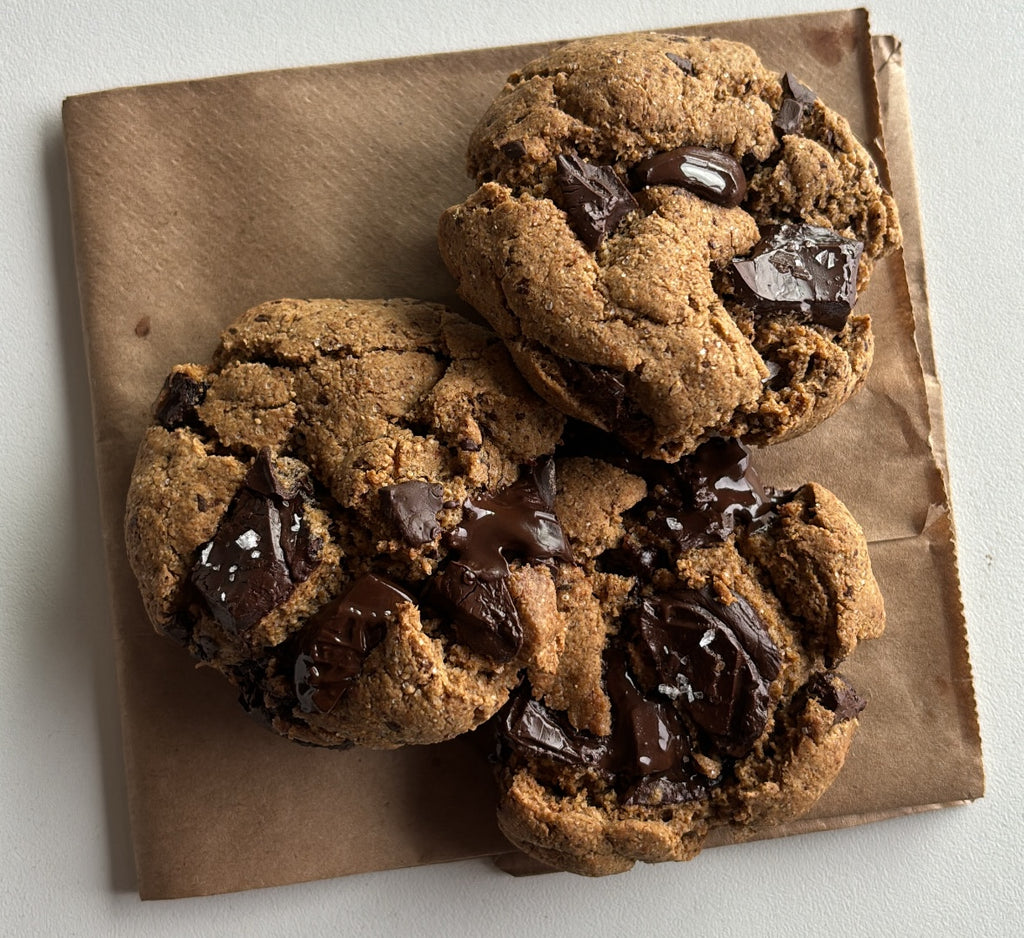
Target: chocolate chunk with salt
593 197
261 550
711 174
334 643
796 99
800 269
178 400
412 507
716 661
702 499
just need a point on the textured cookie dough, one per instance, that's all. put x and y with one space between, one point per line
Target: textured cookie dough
697 689
348 513
615 290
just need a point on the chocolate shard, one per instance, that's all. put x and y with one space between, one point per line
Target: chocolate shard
180 396
529 728
480 609
602 388
800 269
833 693
711 174
261 550
796 99
334 643
716 661
412 507
593 197
682 62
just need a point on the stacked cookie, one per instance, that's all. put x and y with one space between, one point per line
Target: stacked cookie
388 526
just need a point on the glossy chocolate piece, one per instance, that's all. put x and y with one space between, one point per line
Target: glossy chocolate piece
593 197
711 174
471 590
800 269
412 507
796 100
529 727
516 522
716 661
702 499
262 549
178 400
480 609
334 643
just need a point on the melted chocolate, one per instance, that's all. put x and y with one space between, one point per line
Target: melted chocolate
531 728
715 660
412 507
334 643
262 549
703 498
593 197
178 400
796 99
472 589
711 174
800 269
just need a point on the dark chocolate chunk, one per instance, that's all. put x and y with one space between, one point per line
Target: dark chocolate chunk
178 400
833 693
602 388
472 590
334 643
711 174
413 506
800 269
716 661
648 738
480 609
518 522
685 64
262 549
593 197
514 149
528 727
796 99
703 498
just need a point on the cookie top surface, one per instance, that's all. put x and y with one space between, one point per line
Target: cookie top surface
670 238
705 619
348 513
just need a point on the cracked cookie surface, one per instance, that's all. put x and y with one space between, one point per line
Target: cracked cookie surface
348 513
620 179
698 688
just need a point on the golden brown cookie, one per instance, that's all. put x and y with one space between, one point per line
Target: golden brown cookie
349 514
697 689
670 239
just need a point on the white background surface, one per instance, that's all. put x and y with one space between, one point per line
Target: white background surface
64 842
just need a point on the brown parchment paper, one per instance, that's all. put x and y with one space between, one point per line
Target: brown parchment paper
192 201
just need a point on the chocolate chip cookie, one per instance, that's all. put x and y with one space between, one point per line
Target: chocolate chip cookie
349 513
705 619
671 238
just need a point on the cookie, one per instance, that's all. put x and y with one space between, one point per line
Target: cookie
671 238
705 620
349 514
